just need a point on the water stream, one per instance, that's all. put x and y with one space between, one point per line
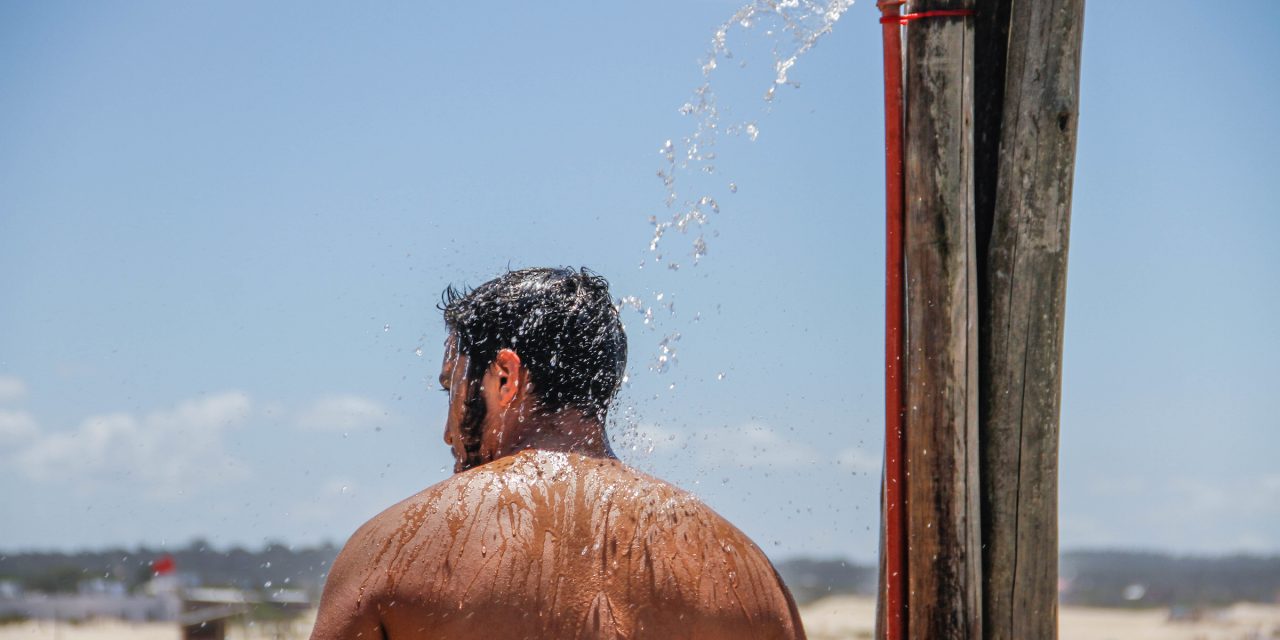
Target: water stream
694 192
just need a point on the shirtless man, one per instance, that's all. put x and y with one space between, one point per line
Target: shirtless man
541 532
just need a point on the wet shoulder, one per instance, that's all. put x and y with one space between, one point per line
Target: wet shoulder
571 540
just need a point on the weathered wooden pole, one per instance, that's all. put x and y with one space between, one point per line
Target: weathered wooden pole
1024 184
989 147
941 401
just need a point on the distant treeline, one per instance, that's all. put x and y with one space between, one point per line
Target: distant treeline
1095 578
811 579
274 566
1139 579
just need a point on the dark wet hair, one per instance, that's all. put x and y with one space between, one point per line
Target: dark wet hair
562 324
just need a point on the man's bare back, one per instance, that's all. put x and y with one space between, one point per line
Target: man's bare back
553 545
542 532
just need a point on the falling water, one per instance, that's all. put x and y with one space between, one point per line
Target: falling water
693 191
793 27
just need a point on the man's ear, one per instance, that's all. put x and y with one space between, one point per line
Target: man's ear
505 377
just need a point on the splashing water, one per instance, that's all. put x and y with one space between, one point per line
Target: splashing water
693 191
795 27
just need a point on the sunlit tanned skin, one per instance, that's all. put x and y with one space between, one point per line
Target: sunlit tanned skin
543 533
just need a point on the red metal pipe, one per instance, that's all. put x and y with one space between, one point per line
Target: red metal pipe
895 575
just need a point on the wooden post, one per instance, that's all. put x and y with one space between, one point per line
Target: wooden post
941 425
988 199
1025 204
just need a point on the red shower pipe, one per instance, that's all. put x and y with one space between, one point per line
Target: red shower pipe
893 503
893 591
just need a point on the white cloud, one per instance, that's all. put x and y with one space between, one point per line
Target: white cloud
335 500
1195 512
170 452
1126 485
866 461
1253 542
12 389
751 445
16 427
1228 496
649 438
755 445
343 413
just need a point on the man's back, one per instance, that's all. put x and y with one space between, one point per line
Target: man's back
553 545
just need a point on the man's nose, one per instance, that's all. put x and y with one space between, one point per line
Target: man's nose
448 436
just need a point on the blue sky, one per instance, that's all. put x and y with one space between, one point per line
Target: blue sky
224 229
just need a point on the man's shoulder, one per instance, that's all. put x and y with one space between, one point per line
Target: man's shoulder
543 476
534 468
509 530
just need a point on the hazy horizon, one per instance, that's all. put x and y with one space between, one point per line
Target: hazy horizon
224 230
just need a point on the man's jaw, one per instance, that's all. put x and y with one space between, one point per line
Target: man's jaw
464 463
469 457
471 432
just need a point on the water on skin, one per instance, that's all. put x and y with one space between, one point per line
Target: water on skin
555 545
552 545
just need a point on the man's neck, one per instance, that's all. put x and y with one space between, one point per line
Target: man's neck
565 431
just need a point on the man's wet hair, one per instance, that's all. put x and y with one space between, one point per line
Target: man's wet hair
561 322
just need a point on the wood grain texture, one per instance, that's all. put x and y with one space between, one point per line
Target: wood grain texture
1024 286
943 566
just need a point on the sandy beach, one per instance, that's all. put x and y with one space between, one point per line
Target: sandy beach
834 618
845 618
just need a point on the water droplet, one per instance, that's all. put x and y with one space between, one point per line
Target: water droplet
267 584
792 28
418 352
386 328
720 376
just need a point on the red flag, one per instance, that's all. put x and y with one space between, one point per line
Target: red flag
164 565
